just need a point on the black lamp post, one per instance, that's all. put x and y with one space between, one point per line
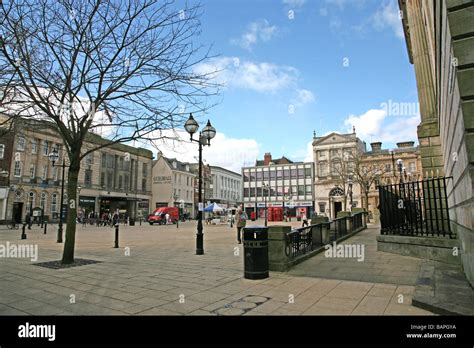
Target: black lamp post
349 182
393 162
53 157
205 137
400 169
265 187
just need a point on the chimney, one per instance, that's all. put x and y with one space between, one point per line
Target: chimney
406 144
376 146
267 159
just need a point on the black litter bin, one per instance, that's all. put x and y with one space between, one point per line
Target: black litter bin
131 222
255 252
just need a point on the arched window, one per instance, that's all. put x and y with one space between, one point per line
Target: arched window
54 203
337 191
43 200
31 201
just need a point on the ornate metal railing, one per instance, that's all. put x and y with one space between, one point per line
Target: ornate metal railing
415 208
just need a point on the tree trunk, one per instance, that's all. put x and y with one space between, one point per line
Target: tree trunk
366 193
69 244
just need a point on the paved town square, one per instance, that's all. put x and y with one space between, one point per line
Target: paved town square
155 272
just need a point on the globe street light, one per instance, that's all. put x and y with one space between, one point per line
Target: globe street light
53 157
205 137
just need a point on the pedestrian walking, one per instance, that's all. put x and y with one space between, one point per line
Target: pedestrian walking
28 220
240 221
305 220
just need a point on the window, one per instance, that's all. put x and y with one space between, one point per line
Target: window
272 174
294 190
252 192
43 199
90 158
31 201
388 167
266 175
145 169
2 151
54 203
44 176
17 169
126 181
104 160
110 161
55 173
88 177
143 184
294 173
323 169
307 172
45 148
259 176
21 143
34 146
300 190
259 192
308 189
246 176
412 167
120 182
109 179
279 174
286 173
32 170
246 192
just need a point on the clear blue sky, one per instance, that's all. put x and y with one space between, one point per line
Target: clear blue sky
333 59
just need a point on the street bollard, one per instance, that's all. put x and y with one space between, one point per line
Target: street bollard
45 226
177 223
23 233
116 236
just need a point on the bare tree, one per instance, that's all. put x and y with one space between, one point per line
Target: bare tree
117 67
366 172
341 172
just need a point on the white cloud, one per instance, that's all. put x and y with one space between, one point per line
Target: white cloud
294 3
226 152
256 31
303 97
376 125
260 77
387 16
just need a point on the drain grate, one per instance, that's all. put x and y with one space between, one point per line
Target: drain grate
59 265
241 306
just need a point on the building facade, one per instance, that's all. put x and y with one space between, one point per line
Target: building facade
440 42
290 186
114 177
386 160
173 185
226 187
331 184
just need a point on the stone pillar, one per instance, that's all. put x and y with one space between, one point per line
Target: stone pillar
277 259
428 130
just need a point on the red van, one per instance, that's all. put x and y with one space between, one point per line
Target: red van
156 216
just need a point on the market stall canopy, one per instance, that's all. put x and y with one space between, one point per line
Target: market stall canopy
213 208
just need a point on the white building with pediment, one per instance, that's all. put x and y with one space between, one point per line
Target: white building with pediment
331 192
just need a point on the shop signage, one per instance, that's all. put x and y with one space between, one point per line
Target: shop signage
249 205
160 180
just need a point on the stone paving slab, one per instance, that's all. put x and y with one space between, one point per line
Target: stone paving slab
377 266
162 266
443 289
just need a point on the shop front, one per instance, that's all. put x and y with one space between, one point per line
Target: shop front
86 205
298 209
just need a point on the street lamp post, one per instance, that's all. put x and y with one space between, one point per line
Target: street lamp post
53 157
349 182
205 137
265 187
400 169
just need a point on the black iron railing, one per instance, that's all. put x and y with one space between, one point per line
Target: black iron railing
306 239
415 208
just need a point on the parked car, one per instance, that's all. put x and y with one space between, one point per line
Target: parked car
157 217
